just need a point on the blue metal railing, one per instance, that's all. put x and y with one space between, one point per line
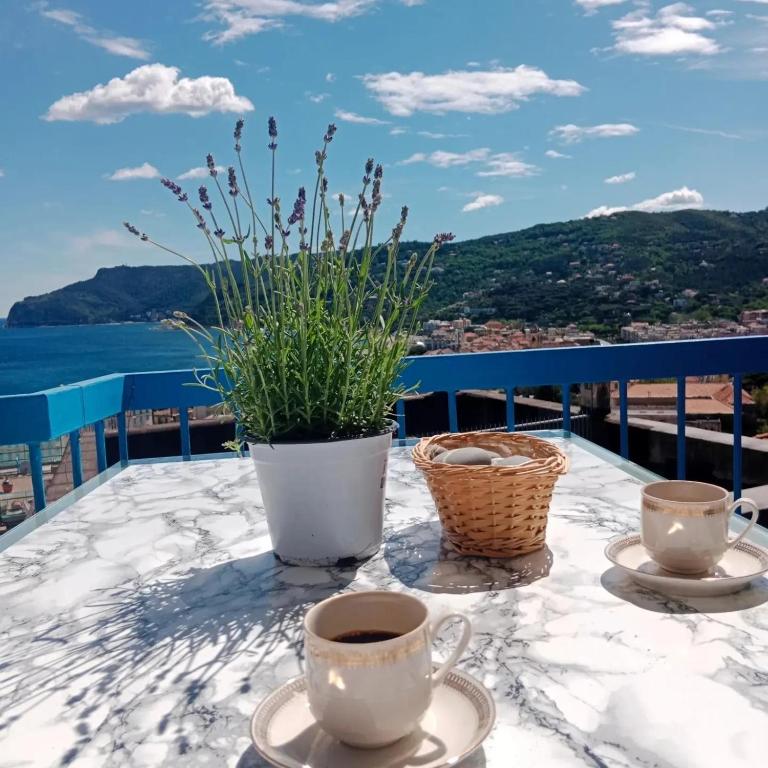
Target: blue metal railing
35 418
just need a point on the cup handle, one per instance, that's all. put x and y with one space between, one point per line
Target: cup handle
752 520
466 634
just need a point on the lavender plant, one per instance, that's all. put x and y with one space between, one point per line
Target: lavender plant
309 339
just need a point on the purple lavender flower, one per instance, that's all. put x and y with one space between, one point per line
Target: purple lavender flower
209 161
324 185
328 138
268 242
200 220
320 156
218 232
173 187
298 207
379 172
368 170
131 228
344 241
238 133
232 180
272 133
341 199
366 208
204 199
444 237
398 230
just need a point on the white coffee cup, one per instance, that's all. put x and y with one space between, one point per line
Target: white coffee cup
370 694
684 524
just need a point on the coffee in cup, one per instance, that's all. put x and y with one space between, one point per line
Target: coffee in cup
369 665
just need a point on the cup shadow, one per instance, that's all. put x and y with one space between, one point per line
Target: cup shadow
421 558
619 584
402 759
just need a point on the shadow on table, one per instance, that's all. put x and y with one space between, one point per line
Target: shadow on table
420 558
251 759
168 636
620 585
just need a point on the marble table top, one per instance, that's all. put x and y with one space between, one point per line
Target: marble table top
142 625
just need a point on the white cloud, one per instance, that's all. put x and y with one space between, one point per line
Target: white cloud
118 45
622 178
499 164
508 164
317 98
483 201
143 171
330 77
240 18
2 173
707 131
201 172
676 200
484 92
150 88
573 134
553 154
590 6
353 117
397 131
102 238
443 159
674 30
439 136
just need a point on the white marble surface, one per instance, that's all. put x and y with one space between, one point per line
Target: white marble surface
141 626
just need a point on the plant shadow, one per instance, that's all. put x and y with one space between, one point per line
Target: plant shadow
619 584
421 558
169 639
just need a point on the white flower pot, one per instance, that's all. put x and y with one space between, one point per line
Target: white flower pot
324 501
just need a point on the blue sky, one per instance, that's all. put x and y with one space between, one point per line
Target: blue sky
488 116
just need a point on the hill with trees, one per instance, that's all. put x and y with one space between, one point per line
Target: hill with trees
598 272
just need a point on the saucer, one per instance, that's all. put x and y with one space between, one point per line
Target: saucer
739 565
460 717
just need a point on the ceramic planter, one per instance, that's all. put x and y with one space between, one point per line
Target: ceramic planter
324 501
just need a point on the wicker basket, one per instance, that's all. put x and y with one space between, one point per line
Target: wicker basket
493 511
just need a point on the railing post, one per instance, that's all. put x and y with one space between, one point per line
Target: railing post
737 430
76 458
400 415
36 468
681 428
623 421
122 436
510 391
101 446
453 414
566 408
186 445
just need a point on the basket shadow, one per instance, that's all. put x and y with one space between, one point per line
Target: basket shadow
621 585
420 558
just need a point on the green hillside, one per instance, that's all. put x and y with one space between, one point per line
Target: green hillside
595 272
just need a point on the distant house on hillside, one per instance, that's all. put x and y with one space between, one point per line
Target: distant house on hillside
707 405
